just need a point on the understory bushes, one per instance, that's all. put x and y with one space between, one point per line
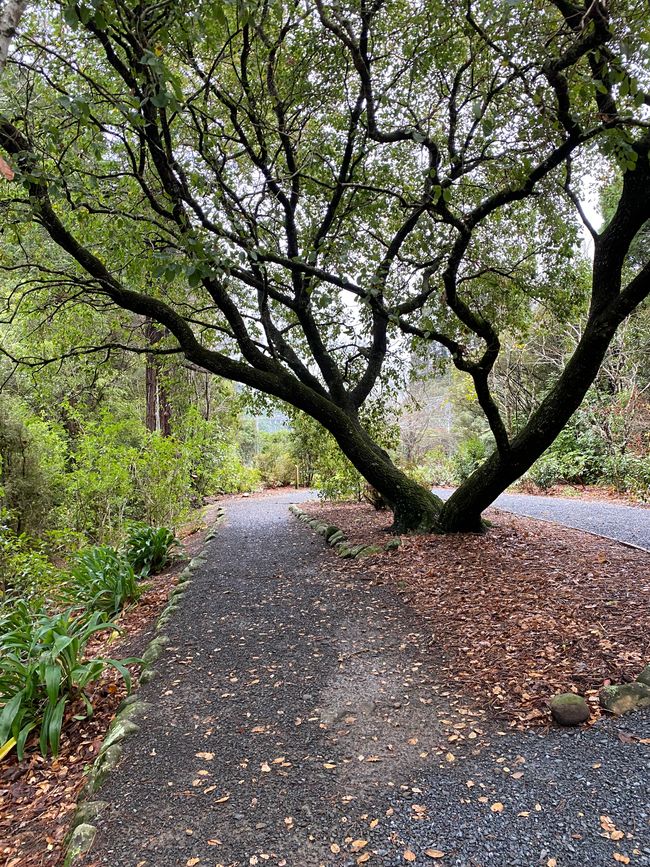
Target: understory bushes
581 455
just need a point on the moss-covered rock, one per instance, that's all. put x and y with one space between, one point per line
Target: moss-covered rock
80 842
644 677
569 709
369 550
337 537
625 697
344 550
147 675
330 530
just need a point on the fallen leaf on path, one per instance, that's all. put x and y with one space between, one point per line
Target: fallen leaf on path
434 853
497 807
335 848
207 756
358 844
622 859
409 855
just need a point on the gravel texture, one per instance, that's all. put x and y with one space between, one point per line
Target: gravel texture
297 710
629 524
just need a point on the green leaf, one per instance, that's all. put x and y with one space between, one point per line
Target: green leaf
9 714
52 682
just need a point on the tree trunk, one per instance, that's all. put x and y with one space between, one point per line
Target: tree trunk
415 509
151 395
164 410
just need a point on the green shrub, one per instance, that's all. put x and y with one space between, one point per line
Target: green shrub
148 548
102 580
469 455
43 668
275 463
436 468
25 569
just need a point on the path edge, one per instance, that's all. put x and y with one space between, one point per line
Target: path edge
81 836
337 539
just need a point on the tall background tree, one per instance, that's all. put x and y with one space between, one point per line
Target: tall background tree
297 194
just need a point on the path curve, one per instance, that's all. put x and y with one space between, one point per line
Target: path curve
629 524
298 719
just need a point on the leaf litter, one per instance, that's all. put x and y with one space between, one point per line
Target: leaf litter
525 611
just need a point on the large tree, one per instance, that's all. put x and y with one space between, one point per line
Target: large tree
293 189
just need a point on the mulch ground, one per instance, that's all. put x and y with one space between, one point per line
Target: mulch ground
38 796
525 611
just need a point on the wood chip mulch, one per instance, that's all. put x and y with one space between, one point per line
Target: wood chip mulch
521 613
38 796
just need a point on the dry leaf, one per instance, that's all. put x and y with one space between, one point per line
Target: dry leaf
207 756
497 807
191 862
222 799
363 858
6 171
335 848
358 844
329 765
450 757
265 767
616 835
409 856
622 859
552 862
434 853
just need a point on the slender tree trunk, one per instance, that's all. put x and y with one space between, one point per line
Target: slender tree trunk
151 395
164 410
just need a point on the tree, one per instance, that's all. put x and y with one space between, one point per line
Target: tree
294 192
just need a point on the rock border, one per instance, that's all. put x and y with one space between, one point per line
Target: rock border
81 835
336 538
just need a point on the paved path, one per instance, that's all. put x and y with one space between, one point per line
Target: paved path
624 523
297 720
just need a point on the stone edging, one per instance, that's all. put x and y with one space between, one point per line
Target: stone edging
82 832
335 537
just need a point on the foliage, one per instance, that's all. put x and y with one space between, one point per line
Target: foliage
25 568
43 668
435 468
33 459
102 580
581 455
275 461
148 548
468 456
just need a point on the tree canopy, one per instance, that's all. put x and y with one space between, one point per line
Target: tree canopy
299 194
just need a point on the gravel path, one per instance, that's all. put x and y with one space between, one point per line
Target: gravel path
629 524
297 720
